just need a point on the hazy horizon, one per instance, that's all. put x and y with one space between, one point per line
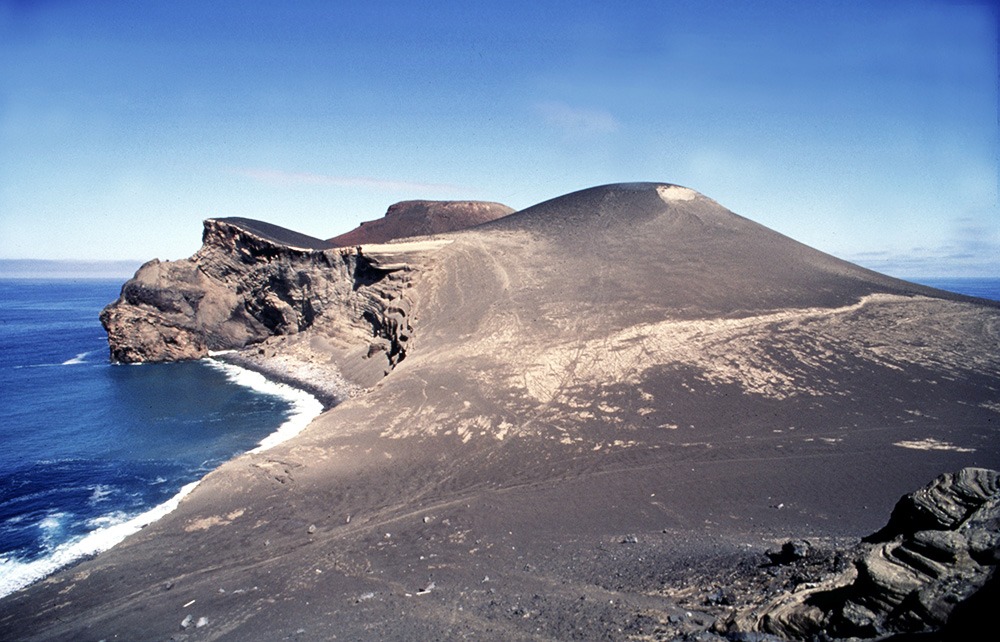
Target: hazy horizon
866 130
67 269
125 268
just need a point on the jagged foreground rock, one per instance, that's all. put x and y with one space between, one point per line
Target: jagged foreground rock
919 574
605 409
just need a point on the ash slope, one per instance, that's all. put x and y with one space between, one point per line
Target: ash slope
277 234
602 395
675 250
421 218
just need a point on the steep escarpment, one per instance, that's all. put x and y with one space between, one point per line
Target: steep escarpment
421 218
252 281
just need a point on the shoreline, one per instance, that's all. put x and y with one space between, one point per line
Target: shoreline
305 406
325 384
70 553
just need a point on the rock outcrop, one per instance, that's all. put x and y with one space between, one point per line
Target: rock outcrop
421 218
252 281
929 569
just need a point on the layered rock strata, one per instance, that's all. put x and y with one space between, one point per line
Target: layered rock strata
251 282
931 568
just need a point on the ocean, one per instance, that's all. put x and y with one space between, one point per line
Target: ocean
982 287
91 451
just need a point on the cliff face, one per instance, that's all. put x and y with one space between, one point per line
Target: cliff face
251 281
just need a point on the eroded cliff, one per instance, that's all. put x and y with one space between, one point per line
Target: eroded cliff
252 281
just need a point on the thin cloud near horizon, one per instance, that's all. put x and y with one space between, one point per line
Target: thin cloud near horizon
946 260
577 120
286 178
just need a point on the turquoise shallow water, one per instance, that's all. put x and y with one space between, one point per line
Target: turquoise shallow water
88 448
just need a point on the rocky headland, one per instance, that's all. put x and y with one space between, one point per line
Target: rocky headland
625 413
257 284
252 284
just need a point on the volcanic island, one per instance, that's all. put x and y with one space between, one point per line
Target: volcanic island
626 413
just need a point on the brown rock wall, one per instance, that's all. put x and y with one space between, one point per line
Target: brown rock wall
244 287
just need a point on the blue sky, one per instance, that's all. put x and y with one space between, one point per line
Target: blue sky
865 129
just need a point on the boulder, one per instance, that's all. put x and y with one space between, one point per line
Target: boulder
931 569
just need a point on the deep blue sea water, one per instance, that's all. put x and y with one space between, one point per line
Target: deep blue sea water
984 288
91 451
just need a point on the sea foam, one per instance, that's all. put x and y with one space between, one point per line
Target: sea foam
112 529
75 360
305 407
15 574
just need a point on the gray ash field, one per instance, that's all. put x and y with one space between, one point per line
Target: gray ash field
585 420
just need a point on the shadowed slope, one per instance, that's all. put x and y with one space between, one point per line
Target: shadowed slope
276 234
680 251
599 393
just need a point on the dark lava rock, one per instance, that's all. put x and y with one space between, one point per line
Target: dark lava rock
930 570
251 281
719 597
791 551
